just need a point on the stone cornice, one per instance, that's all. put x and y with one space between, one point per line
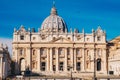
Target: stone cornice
58 43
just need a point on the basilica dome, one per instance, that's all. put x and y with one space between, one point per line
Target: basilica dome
53 23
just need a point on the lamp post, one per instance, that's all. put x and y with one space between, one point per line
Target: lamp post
95 65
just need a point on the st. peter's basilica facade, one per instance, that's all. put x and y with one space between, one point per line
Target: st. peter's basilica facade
54 50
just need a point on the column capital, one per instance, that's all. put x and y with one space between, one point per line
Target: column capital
66 47
49 47
38 47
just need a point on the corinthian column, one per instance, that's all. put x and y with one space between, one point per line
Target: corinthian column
65 59
57 60
38 58
51 57
83 60
74 59
48 59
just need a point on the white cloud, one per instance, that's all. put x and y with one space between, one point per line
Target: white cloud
8 42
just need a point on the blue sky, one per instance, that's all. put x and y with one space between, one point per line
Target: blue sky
87 14
78 14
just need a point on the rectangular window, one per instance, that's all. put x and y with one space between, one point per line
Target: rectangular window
68 68
43 64
61 66
78 66
21 37
54 68
68 58
99 38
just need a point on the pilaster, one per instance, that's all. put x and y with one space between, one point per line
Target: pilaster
51 60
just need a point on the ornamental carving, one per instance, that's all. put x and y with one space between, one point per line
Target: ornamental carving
43 36
78 36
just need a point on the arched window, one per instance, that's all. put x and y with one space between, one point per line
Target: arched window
34 52
22 64
21 51
78 51
42 51
61 51
98 64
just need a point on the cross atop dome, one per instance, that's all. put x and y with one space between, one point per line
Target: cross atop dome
54 3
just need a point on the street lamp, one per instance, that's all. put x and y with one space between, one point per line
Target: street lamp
95 66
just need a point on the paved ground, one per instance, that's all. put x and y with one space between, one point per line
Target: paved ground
108 77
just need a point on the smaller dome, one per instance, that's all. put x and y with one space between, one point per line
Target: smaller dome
53 23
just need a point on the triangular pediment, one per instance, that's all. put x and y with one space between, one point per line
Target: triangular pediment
61 39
